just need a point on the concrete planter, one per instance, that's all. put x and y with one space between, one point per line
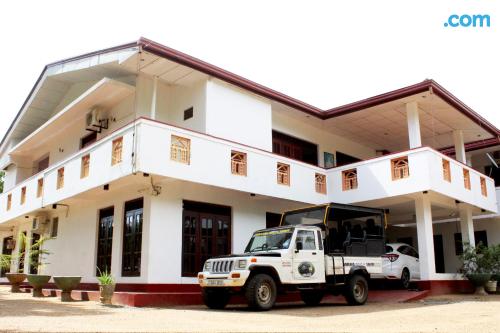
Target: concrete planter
67 284
491 287
479 280
37 282
15 280
106 293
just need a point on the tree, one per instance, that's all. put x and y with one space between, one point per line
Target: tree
2 175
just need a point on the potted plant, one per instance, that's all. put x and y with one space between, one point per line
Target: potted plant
67 284
7 261
36 259
493 285
477 266
106 286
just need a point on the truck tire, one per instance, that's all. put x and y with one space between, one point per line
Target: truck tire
356 292
312 297
215 298
261 292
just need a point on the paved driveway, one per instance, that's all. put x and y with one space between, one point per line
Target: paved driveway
21 312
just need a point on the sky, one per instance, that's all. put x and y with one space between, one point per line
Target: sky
325 53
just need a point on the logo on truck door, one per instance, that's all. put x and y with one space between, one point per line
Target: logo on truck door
306 269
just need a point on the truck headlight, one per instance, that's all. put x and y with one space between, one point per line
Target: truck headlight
241 264
208 266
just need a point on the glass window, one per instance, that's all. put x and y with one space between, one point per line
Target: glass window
307 238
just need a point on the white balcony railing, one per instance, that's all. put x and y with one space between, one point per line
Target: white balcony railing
190 156
387 176
100 172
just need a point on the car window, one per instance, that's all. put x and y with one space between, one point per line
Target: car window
412 252
388 249
307 238
403 249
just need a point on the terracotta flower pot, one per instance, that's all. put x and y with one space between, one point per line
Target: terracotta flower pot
106 291
491 286
15 280
479 280
67 284
37 282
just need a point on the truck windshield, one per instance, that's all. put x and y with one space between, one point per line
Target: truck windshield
309 216
266 240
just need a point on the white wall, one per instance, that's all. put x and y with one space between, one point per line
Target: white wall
237 115
326 141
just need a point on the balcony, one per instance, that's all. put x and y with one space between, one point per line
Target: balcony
176 153
412 171
89 168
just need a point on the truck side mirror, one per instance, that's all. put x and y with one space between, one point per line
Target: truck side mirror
298 246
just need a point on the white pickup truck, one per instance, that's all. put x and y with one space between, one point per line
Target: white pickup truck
331 248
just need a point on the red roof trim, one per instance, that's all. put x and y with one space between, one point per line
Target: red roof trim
471 146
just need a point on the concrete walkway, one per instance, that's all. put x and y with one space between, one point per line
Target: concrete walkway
462 313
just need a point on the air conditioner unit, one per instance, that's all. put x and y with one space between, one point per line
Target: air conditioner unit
39 222
92 119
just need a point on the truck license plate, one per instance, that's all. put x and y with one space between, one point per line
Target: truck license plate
215 282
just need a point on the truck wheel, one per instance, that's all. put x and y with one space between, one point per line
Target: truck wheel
312 297
356 292
215 298
261 292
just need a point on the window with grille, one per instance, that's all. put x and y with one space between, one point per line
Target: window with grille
85 168
9 201
238 163
180 149
116 154
467 179
60 178
39 188
349 179
320 183
446 170
283 174
23 195
400 168
484 191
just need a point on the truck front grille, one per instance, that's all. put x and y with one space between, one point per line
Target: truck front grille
222 266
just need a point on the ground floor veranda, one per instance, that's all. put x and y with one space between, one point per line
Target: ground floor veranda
160 237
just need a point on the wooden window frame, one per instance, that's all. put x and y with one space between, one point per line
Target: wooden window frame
60 178
446 170
85 166
466 174
39 188
180 149
283 173
400 168
9 201
54 227
484 189
117 151
238 163
23 195
349 179
320 183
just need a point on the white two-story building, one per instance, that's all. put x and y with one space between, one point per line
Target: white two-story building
145 161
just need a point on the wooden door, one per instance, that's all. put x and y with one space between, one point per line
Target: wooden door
105 240
132 239
6 251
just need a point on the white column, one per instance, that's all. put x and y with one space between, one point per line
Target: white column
468 158
414 136
466 224
425 237
458 140
153 97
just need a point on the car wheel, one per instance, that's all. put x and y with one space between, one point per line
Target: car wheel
405 278
356 292
261 292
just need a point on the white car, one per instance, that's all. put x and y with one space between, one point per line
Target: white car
401 262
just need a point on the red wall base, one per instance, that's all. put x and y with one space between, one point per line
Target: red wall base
440 287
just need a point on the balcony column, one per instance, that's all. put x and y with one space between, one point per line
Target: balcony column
153 97
425 237
458 140
414 137
466 224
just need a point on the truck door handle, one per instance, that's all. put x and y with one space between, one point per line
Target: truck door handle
314 253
